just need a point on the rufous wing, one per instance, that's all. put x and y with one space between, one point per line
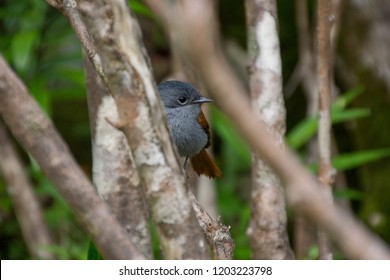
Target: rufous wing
205 125
204 164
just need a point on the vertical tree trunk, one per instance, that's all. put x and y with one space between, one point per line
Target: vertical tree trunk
114 173
268 227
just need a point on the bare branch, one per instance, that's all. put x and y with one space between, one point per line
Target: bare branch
217 235
268 227
307 63
38 136
26 205
305 234
323 66
337 7
326 171
307 69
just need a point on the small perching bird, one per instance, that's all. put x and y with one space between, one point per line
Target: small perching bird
188 125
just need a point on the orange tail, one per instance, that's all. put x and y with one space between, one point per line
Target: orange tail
204 164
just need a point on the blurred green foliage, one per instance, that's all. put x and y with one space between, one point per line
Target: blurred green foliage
41 47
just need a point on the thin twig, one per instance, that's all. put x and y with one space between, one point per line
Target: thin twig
326 171
306 57
305 234
217 235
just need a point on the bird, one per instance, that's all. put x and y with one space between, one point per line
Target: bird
188 125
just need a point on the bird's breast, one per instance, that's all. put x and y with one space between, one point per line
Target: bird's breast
189 137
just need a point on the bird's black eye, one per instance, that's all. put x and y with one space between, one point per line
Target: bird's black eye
182 100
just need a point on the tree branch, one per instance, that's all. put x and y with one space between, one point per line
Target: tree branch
26 205
326 171
38 136
307 63
217 235
305 232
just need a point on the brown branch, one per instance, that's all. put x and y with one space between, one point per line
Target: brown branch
306 57
305 69
304 235
302 189
114 173
304 232
326 171
217 235
337 7
37 135
268 226
26 205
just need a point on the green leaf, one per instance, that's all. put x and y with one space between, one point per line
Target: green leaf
139 8
93 253
302 132
314 252
73 75
307 128
38 89
22 45
356 159
349 114
348 193
345 99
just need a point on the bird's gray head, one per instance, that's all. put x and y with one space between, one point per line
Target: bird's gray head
182 103
176 94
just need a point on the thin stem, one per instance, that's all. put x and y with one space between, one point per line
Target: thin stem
326 171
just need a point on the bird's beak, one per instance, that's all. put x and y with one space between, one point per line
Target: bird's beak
202 100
